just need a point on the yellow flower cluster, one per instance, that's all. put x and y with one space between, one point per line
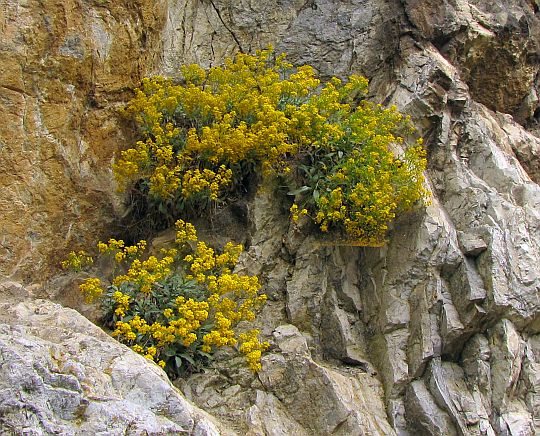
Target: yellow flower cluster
124 329
132 164
233 298
258 113
76 261
201 136
230 255
181 327
164 181
122 251
158 318
252 348
91 289
367 191
146 273
206 181
122 303
185 232
297 213
112 245
192 315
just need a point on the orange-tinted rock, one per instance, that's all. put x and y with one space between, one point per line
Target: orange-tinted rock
65 69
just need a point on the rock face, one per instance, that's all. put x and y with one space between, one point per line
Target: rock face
63 375
438 332
448 310
65 68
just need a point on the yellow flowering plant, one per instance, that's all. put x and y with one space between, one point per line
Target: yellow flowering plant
349 177
77 260
205 136
177 308
352 180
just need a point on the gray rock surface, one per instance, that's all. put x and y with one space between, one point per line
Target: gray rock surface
445 311
60 374
435 333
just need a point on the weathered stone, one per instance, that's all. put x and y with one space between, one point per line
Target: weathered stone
307 286
66 67
293 393
323 400
290 340
507 349
466 285
531 380
465 265
471 33
471 245
424 340
389 353
447 384
476 365
340 338
423 413
346 259
62 374
395 409
525 145
451 326
13 291
269 417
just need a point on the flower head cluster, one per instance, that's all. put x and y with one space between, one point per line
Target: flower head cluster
201 137
121 250
177 308
206 182
91 289
252 348
76 261
144 274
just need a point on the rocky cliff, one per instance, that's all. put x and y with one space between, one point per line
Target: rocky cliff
436 333
65 69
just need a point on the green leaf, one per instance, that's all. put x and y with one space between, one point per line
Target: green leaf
187 357
207 355
300 190
169 352
178 362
